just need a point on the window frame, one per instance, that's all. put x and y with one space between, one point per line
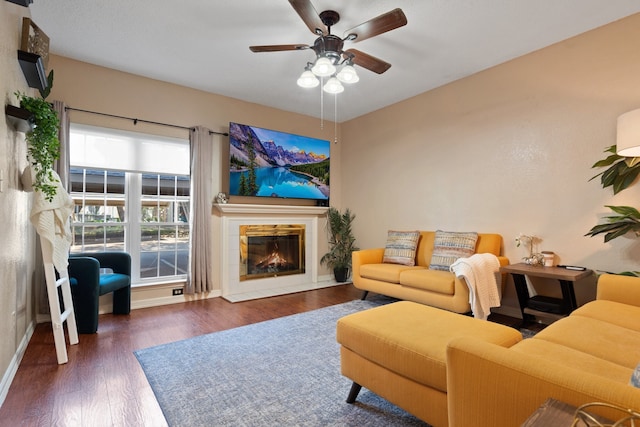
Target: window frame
133 222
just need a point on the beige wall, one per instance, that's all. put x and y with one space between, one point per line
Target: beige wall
17 301
507 150
89 87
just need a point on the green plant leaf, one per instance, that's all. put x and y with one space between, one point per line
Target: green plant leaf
610 175
627 220
626 178
606 162
630 273
625 210
621 171
619 232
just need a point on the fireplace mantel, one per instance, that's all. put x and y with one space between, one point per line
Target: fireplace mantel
247 209
233 216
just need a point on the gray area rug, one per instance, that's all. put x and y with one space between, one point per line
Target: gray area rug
282 372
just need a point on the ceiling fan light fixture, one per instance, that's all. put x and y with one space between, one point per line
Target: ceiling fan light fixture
323 67
348 74
333 85
308 80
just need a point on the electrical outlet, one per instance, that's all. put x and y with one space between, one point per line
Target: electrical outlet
178 291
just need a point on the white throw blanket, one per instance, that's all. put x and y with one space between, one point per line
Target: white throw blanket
51 220
479 271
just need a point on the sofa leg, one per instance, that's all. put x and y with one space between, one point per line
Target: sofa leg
353 393
364 295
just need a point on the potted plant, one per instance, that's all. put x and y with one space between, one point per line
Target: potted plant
43 144
341 243
621 172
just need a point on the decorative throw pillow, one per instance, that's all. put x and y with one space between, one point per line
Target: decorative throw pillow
448 246
635 377
401 247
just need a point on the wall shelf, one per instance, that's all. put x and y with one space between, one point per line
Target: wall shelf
24 3
33 69
20 119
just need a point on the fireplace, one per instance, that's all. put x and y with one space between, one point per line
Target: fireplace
271 250
236 219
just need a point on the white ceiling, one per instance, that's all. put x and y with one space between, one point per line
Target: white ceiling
204 44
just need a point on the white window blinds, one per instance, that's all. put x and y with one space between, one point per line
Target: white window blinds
99 148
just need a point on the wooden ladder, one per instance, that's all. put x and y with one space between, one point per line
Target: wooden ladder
57 317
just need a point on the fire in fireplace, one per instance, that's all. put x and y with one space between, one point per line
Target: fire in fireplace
271 250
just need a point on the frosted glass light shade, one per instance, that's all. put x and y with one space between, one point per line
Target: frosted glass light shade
323 67
333 85
628 134
348 75
308 80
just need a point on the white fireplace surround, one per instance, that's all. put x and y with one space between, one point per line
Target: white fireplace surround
235 215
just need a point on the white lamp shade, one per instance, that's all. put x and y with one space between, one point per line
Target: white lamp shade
323 67
348 75
628 135
333 85
308 80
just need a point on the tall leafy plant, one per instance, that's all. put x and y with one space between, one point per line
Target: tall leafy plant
621 172
341 239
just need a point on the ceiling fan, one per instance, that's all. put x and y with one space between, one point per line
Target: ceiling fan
330 46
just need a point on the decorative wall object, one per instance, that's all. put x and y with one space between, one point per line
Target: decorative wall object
34 54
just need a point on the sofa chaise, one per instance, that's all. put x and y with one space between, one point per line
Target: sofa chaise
450 369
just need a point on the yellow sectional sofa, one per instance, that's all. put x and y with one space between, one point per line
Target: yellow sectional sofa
399 350
418 283
586 357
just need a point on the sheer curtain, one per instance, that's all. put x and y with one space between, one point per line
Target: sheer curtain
62 165
200 276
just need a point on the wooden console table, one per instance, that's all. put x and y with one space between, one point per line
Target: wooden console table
542 306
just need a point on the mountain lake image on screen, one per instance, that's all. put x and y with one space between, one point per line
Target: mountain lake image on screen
269 163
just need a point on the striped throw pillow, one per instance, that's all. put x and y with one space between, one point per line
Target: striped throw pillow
401 247
448 246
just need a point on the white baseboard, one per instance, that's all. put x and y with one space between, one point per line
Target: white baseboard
280 291
167 300
10 373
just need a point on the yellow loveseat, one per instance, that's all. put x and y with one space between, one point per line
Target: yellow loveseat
586 357
418 283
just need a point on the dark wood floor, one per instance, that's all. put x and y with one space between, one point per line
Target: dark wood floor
103 384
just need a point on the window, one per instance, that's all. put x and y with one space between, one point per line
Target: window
142 211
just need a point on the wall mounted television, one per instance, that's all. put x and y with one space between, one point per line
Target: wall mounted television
270 163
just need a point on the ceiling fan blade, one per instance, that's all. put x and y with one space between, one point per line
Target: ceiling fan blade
381 24
308 13
367 61
278 47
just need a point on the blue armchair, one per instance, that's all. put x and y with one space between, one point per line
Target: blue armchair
87 285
